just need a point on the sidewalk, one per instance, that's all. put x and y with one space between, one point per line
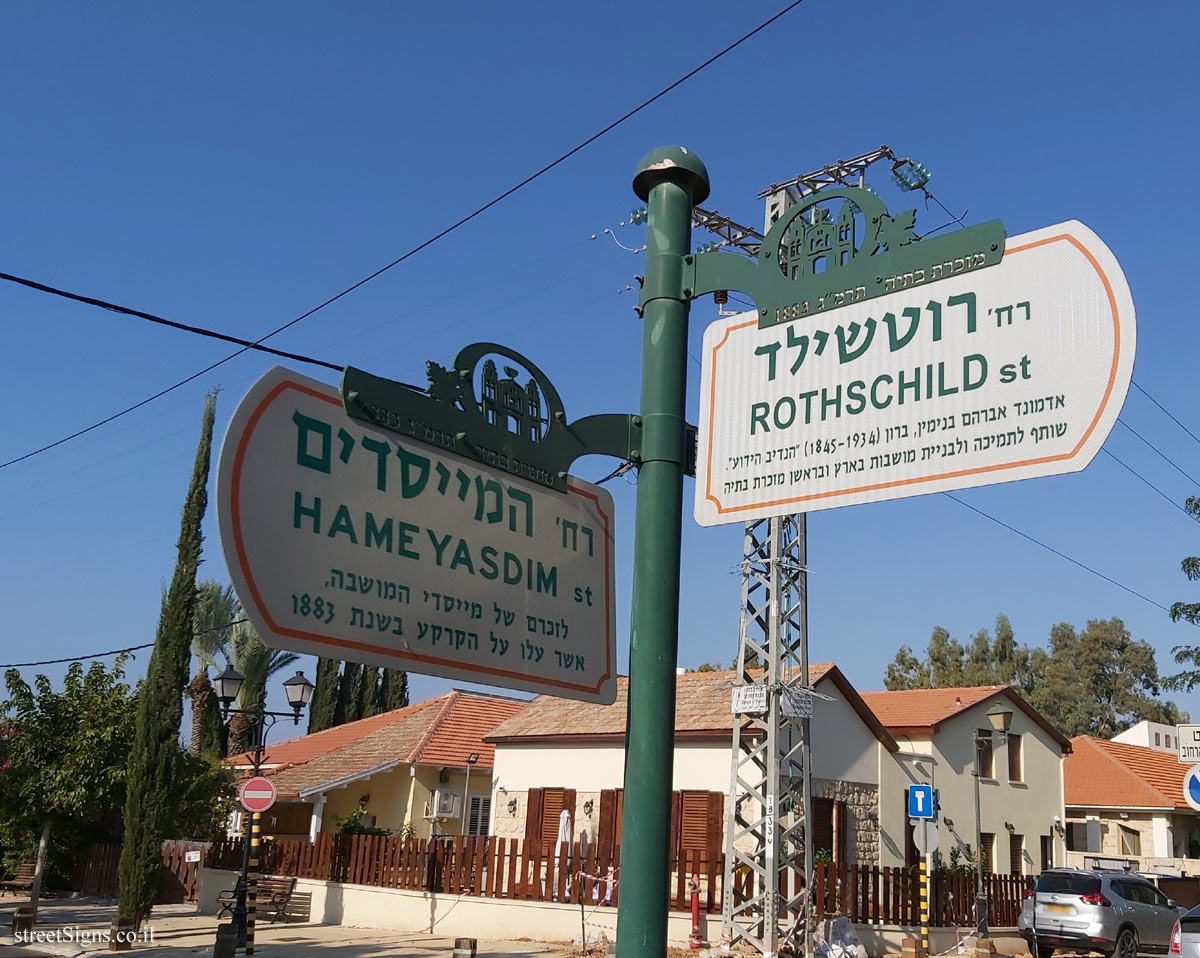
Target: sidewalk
81 924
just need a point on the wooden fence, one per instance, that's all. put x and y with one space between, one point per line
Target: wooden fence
95 871
869 894
521 870
486 867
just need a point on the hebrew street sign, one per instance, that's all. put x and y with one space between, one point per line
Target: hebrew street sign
1010 372
346 541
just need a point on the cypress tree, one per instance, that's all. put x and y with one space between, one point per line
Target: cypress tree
325 695
368 692
156 758
393 690
347 699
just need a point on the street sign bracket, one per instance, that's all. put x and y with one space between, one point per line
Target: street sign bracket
792 278
520 428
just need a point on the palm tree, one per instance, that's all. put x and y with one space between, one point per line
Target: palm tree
216 610
256 663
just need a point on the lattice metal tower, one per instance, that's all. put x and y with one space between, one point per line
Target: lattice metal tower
768 862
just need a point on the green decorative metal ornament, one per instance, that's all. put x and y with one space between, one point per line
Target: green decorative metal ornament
812 260
519 428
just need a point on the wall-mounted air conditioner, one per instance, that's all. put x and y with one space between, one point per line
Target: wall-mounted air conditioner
443 804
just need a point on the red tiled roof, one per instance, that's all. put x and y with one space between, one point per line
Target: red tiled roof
1105 774
921 711
441 731
925 708
701 710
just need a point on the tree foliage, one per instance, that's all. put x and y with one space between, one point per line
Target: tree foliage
156 762
1095 681
357 692
1188 655
63 758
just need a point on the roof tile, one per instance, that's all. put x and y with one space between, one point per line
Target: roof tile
442 731
1106 774
701 705
925 708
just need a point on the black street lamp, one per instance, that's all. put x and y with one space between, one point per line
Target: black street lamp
999 718
228 685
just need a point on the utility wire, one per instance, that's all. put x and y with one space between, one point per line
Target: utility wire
437 236
1169 460
1122 462
104 655
1138 387
1061 555
76 658
150 317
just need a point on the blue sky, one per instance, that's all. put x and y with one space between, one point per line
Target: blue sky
233 167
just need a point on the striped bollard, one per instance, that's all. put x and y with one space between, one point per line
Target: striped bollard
252 882
924 906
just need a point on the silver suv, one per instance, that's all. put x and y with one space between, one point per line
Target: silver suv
1117 913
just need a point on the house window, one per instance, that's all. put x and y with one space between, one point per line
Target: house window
1131 841
1047 853
1016 854
983 742
1083 836
987 848
552 806
693 825
481 812
1015 771
1157 738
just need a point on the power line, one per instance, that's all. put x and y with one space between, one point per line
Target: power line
104 655
1061 555
1138 387
150 317
1122 462
1170 461
76 658
437 236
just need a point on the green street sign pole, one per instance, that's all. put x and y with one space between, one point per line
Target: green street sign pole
670 180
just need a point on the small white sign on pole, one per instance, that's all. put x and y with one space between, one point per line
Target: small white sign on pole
796 703
347 541
750 699
1187 743
1010 372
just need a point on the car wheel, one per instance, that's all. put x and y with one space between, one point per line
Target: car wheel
1045 951
1127 944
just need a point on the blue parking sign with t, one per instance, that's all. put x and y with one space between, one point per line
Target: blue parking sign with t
920 801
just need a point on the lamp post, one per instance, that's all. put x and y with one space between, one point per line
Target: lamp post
471 760
228 685
999 718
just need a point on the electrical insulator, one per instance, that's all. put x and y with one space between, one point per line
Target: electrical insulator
721 297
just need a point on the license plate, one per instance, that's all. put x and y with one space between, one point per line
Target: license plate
1058 909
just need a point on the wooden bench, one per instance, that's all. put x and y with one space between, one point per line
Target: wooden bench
273 897
22 880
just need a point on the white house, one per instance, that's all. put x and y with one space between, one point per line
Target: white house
940 733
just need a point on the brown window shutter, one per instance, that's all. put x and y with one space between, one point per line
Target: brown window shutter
716 830
569 805
824 834
693 835
606 824
533 815
552 806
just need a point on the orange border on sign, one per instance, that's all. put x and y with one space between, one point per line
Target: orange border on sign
239 546
1112 377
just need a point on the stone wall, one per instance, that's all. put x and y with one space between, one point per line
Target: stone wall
862 817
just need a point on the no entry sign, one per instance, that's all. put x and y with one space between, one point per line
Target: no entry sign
257 794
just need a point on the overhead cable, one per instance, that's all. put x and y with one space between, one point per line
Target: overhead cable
433 239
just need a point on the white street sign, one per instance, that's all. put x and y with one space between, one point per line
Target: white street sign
345 541
1011 372
1187 742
